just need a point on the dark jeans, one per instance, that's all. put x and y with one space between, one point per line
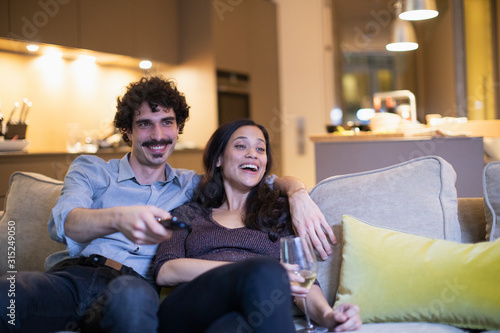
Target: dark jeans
78 298
244 297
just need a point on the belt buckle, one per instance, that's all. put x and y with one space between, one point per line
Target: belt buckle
95 260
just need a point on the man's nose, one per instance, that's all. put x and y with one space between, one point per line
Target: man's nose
157 132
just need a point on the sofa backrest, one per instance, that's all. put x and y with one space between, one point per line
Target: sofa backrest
417 196
24 236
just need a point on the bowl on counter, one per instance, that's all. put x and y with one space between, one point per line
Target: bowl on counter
13 145
385 122
492 147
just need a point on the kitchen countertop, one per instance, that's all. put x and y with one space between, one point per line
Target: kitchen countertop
369 136
340 155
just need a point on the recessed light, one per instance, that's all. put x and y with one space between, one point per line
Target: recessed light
145 64
32 47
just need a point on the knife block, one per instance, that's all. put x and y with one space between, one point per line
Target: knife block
16 129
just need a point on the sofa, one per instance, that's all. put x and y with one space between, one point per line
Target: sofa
412 255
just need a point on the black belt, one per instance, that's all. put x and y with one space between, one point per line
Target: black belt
95 260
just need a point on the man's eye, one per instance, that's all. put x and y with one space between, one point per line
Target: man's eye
168 122
144 124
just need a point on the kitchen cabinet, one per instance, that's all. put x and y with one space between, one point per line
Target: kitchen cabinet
344 155
4 17
145 29
51 21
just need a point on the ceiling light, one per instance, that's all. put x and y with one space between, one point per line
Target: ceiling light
402 37
32 47
415 10
145 64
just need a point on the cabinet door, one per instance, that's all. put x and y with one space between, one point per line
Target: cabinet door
145 29
4 18
49 21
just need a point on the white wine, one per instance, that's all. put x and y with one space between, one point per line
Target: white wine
309 276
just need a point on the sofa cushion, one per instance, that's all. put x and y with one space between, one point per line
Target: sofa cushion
394 276
491 186
417 196
28 204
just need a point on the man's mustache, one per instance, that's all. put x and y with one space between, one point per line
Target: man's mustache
157 143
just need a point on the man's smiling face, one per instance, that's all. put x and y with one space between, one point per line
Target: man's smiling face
153 135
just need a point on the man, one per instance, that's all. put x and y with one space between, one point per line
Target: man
108 214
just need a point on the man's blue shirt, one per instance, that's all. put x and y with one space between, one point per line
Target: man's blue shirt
93 183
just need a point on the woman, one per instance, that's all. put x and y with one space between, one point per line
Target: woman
235 217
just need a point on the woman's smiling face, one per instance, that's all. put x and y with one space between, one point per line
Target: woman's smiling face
244 161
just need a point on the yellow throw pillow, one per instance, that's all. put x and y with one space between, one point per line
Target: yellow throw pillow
399 277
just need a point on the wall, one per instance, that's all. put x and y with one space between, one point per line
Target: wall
480 80
303 82
245 36
62 92
435 64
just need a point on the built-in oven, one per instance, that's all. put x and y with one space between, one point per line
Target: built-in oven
233 96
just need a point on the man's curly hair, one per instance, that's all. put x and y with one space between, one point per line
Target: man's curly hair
155 91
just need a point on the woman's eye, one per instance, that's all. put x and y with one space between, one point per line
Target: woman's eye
262 150
240 146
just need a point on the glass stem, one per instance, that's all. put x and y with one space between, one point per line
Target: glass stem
310 326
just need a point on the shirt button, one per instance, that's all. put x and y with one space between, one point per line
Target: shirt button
137 249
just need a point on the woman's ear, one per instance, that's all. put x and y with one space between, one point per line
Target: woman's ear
219 163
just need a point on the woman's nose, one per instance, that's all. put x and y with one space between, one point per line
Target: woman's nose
251 152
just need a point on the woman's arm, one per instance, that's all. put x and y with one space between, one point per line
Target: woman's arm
344 318
176 271
307 218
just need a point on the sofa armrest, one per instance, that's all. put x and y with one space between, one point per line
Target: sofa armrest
28 205
472 219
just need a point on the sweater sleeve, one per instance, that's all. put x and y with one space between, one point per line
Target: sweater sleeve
174 247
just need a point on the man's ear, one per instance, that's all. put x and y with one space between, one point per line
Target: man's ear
129 135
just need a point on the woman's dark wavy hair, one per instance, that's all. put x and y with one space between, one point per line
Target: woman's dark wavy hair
155 91
266 209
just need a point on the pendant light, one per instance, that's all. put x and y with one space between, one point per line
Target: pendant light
415 10
403 37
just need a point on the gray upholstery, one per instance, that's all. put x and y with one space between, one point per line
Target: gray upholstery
27 209
491 186
417 196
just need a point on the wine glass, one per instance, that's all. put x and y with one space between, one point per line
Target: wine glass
299 252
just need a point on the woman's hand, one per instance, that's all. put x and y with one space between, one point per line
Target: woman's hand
295 290
343 318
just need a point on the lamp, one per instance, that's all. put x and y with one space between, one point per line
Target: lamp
402 37
414 10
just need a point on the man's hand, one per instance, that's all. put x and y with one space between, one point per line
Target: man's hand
307 218
140 224
137 223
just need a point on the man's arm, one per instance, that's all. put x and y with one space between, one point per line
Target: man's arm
307 218
137 223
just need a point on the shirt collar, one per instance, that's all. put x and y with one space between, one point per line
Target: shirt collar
125 172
